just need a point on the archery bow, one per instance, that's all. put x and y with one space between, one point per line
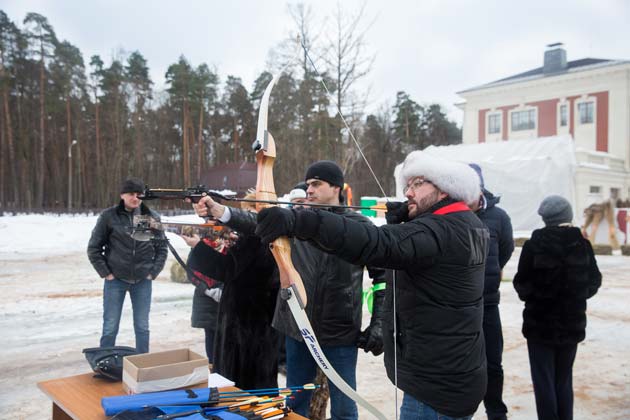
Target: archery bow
292 288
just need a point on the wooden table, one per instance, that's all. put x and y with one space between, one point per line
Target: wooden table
79 397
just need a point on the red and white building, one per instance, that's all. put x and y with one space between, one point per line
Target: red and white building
587 99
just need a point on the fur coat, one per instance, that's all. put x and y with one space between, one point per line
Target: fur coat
245 346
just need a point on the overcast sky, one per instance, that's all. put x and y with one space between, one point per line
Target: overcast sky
428 48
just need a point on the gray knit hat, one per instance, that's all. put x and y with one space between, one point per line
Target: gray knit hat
555 210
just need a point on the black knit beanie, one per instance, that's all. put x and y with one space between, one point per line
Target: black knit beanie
326 170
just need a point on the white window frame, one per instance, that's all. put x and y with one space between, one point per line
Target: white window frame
499 115
565 106
524 109
578 113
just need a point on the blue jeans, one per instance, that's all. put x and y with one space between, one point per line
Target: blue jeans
302 369
114 292
412 409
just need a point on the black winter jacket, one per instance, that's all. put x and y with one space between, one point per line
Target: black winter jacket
557 272
111 248
500 247
205 310
334 288
439 263
245 346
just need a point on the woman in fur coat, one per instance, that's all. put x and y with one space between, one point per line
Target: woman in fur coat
557 273
245 345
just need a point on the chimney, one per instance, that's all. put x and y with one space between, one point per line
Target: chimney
555 59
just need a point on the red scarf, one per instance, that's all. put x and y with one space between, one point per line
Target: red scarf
452 208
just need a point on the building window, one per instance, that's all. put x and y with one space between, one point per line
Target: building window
595 189
585 109
494 123
614 193
563 116
524 120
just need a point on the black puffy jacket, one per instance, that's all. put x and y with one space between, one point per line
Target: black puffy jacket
557 272
439 262
500 247
334 288
112 250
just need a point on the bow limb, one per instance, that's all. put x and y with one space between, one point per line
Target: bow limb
292 287
265 147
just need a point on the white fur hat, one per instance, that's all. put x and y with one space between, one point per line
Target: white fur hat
456 179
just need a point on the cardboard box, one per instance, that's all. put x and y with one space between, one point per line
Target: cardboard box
164 370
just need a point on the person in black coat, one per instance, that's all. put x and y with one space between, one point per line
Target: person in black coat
245 344
125 264
439 254
333 290
500 250
557 273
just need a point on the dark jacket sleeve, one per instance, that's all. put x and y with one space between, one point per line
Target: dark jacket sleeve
522 280
595 276
376 274
161 252
242 221
98 241
209 262
506 240
389 246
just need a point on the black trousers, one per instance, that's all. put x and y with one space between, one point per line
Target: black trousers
209 332
493 334
552 376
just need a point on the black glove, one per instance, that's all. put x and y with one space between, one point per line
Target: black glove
372 338
274 222
397 212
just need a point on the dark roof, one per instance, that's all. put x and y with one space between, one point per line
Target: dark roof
571 65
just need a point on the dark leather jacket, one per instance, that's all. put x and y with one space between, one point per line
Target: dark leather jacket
334 288
111 248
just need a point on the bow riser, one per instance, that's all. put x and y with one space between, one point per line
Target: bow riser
281 247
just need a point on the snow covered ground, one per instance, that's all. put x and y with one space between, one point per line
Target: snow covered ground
50 301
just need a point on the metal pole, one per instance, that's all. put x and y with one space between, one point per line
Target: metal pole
70 174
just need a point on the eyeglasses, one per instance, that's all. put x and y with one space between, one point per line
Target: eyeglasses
415 185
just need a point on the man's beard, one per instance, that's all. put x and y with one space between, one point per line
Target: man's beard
427 202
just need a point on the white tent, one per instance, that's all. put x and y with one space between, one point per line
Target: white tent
522 172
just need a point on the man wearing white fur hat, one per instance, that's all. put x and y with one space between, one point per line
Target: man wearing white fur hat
438 248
